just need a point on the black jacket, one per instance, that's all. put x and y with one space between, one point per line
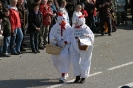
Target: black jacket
34 20
104 11
6 26
89 8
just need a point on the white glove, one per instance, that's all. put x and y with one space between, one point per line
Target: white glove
54 41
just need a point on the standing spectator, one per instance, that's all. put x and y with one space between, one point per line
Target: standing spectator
47 18
54 16
63 10
54 11
6 25
120 12
56 4
104 13
23 17
89 6
131 4
16 28
76 13
35 23
84 12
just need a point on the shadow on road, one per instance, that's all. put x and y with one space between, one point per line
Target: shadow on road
24 83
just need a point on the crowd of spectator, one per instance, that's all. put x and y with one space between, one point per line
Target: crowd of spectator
38 16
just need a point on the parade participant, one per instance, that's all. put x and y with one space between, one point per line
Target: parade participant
60 36
76 13
81 59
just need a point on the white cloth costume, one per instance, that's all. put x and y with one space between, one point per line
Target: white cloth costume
75 15
62 61
81 59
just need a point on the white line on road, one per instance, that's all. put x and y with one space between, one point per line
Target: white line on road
129 84
55 86
116 67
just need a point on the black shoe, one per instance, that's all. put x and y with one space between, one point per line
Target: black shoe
15 53
109 34
6 55
41 47
77 80
82 80
34 51
22 49
20 52
37 51
102 34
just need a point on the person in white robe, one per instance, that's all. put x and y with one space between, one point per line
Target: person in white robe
81 59
60 35
76 14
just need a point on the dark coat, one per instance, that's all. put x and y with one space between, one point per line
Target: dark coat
35 21
104 11
23 15
6 26
89 7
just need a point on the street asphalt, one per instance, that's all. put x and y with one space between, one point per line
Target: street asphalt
112 65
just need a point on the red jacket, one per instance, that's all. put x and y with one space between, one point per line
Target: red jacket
84 12
14 19
47 14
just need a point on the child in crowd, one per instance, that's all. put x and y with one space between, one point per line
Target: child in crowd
76 13
35 23
6 25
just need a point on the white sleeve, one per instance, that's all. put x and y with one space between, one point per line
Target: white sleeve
90 34
52 32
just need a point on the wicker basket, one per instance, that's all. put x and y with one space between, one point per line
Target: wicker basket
82 47
52 49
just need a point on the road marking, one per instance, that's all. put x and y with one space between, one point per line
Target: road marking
123 65
55 86
129 84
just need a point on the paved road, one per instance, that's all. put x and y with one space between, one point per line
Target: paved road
112 66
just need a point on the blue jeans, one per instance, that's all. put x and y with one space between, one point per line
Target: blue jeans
34 40
6 44
16 44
